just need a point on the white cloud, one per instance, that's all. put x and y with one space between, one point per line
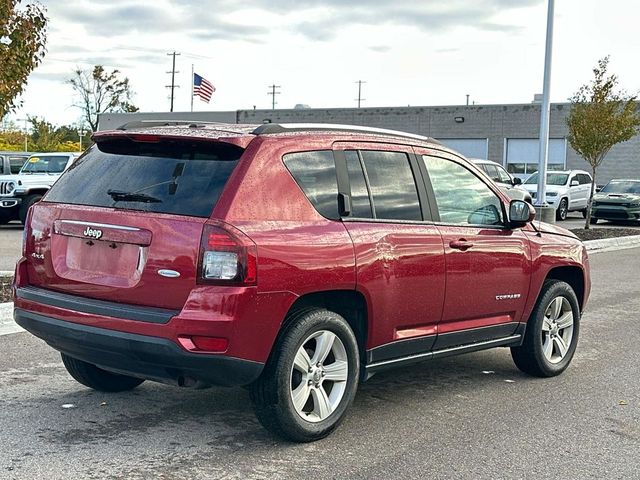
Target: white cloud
421 52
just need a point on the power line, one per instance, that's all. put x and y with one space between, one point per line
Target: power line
273 94
173 72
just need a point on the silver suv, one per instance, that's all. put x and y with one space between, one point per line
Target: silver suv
503 179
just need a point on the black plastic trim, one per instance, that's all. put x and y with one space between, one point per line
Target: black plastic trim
511 341
474 335
96 307
413 350
401 348
140 356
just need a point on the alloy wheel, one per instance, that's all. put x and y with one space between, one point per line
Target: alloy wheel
557 329
319 376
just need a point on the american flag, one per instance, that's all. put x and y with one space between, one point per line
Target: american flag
202 87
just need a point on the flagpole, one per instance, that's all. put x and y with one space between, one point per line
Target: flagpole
192 87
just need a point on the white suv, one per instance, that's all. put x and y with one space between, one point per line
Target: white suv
19 192
567 191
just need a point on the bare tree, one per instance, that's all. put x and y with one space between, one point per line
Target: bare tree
601 116
100 91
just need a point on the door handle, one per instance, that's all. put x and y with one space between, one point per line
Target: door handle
461 244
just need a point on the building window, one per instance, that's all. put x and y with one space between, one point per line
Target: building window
522 155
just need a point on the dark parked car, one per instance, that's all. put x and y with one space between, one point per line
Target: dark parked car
617 200
297 260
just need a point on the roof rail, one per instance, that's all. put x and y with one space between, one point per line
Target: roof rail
274 128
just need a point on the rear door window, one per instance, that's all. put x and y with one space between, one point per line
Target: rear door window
360 202
315 173
584 179
176 177
392 184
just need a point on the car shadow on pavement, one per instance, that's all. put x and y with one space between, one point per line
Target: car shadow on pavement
223 417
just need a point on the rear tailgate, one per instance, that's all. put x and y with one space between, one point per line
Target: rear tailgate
124 264
124 223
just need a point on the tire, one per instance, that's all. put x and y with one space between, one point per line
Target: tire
593 221
292 370
562 210
24 207
93 377
534 356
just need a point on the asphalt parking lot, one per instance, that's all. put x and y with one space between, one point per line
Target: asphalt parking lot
474 416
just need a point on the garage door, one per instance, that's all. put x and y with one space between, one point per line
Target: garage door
522 155
469 147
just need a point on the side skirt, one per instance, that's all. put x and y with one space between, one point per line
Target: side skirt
513 340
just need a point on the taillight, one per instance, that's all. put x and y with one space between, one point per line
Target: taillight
26 231
227 257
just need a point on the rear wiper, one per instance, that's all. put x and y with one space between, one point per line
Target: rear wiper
120 196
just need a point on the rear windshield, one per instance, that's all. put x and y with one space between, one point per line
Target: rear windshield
177 177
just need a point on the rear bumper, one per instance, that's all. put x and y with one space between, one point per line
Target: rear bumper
137 355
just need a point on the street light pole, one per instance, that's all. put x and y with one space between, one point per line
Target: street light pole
541 200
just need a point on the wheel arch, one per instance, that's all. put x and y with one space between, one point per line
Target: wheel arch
350 304
36 191
574 276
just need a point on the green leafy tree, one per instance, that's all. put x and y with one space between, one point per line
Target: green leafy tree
22 48
100 91
45 137
12 140
601 116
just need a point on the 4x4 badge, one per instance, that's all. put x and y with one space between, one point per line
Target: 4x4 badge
90 232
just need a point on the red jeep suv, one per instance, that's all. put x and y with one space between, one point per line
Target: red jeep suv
296 260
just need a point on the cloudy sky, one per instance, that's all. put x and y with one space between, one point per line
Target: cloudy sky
428 52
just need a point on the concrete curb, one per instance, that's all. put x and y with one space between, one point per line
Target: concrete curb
611 244
7 325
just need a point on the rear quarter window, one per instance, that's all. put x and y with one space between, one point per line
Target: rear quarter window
315 174
175 177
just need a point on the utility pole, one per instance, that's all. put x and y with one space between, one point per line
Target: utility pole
541 200
273 92
26 132
173 72
81 133
360 99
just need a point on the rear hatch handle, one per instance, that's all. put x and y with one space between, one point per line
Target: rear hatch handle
103 231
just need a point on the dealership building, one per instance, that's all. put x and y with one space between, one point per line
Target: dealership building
507 134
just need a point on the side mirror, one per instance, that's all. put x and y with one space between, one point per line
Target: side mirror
598 188
516 181
575 183
520 213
